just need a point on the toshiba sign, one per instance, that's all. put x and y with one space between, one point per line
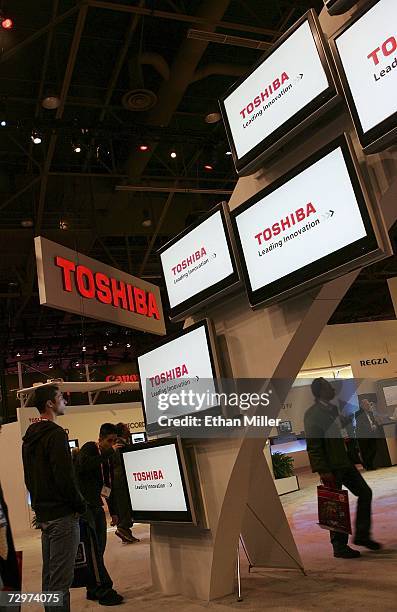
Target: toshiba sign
75 283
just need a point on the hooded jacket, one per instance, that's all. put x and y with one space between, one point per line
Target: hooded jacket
49 475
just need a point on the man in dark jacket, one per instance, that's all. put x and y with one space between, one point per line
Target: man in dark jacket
125 518
95 476
328 456
367 433
56 500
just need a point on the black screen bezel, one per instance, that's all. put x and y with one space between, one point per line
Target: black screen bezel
155 428
193 303
298 118
148 516
381 130
310 272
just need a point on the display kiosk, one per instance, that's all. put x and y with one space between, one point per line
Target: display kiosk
236 485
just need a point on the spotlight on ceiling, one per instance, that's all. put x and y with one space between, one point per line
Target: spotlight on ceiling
173 155
228 153
36 137
50 365
208 167
3 123
84 349
105 348
128 345
6 23
18 354
144 148
39 352
63 225
147 220
76 147
212 118
27 223
51 102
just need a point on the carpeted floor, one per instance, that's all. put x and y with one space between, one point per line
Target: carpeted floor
330 584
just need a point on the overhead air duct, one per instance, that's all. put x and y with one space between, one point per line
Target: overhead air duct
139 98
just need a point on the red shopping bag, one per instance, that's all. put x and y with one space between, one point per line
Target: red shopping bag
333 509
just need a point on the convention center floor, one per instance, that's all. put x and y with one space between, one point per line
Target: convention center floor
368 582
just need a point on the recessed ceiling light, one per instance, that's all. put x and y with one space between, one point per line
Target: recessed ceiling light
213 118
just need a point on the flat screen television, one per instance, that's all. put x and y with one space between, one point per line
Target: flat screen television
176 374
312 224
365 52
158 482
199 265
286 90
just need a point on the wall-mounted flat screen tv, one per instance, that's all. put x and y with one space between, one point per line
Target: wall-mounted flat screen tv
286 90
365 51
179 378
310 225
158 482
199 265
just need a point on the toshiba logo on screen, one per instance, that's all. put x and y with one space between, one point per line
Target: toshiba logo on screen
368 52
197 261
286 81
310 216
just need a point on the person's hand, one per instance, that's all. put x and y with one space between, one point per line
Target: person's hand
114 521
328 479
117 446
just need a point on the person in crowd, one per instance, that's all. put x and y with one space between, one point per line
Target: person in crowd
94 469
56 500
367 432
329 457
125 517
9 571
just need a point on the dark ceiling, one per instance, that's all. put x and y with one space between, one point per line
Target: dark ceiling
103 60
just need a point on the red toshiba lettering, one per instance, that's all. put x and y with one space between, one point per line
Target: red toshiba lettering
152 307
67 267
388 47
103 292
119 293
85 282
291 219
140 301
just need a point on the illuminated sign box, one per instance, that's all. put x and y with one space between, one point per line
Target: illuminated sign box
158 482
179 366
286 90
365 51
199 265
76 283
312 224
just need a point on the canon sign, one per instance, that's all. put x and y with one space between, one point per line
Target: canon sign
75 283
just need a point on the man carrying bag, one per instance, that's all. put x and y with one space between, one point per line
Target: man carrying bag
329 457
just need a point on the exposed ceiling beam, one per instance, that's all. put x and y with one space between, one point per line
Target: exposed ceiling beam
146 188
225 39
27 41
16 195
227 25
78 31
156 231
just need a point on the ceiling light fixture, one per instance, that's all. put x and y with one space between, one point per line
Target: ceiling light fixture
76 148
50 365
128 345
173 155
27 223
105 348
208 167
63 225
144 148
51 102
7 23
212 118
36 137
84 349
3 123
228 153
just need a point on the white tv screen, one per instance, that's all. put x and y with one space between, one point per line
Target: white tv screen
287 86
156 483
175 375
299 227
199 263
366 52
